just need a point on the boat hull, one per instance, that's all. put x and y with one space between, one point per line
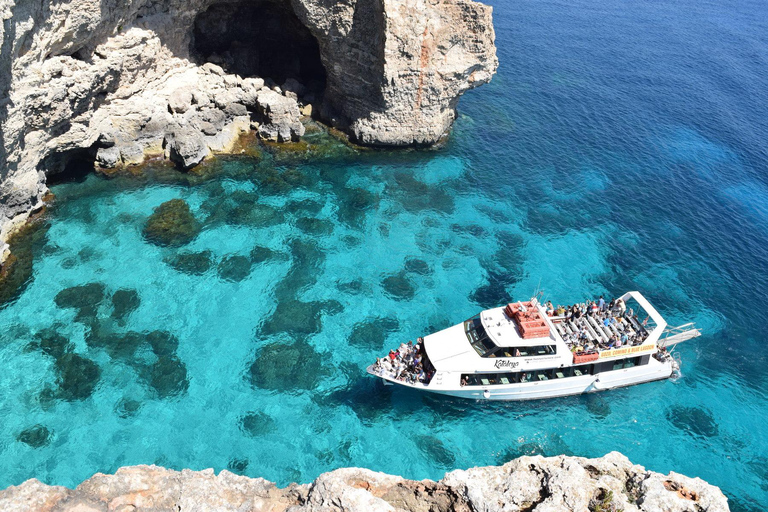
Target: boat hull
552 388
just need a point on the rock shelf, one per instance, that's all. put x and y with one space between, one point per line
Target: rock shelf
609 483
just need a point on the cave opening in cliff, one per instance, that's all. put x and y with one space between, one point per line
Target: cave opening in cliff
73 165
262 38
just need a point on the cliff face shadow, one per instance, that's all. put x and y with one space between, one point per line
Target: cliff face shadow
262 38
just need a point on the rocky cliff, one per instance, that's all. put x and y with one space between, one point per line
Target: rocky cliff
113 82
555 484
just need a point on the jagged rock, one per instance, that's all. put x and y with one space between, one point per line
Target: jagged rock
108 157
535 484
180 100
294 86
281 117
73 71
186 147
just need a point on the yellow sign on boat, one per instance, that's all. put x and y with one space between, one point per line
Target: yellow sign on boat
628 350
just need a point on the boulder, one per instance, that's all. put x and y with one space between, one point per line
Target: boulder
108 158
186 147
171 224
294 86
180 100
280 117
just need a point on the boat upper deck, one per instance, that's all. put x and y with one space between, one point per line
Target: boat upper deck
502 338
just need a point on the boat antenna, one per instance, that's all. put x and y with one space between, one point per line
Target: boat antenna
539 291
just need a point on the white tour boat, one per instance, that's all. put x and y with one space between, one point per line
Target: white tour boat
525 350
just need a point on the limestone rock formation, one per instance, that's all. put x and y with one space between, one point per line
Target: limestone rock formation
536 484
112 82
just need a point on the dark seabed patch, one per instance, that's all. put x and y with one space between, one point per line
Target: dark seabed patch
86 299
417 266
235 268
167 376
192 263
257 424
35 436
261 254
695 420
284 366
494 293
372 333
127 407
435 450
399 286
597 405
171 224
77 376
294 317
314 226
124 302
238 465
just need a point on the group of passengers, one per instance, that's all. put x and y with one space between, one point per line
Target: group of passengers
611 318
406 364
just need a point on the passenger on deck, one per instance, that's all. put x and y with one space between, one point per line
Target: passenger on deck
560 310
601 303
550 309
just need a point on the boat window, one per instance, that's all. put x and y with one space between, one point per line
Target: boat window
540 350
478 338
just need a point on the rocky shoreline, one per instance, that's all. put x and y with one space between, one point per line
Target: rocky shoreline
610 483
112 83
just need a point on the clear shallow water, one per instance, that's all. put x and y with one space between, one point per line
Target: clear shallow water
620 147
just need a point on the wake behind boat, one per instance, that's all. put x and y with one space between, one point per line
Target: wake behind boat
528 350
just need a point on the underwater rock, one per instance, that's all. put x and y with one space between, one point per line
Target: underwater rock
399 286
270 181
53 343
314 226
597 406
416 196
257 424
261 254
331 307
294 317
305 206
494 293
167 376
694 420
77 376
372 333
285 366
238 466
417 266
85 298
354 203
171 224
435 451
162 343
192 263
474 230
124 302
127 407
355 286
118 346
235 268
35 436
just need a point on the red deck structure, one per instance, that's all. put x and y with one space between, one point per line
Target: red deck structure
528 319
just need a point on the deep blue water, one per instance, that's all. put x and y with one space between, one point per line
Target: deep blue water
621 146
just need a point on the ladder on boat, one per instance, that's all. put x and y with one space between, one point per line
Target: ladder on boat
674 335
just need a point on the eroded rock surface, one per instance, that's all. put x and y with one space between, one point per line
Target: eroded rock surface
113 82
534 484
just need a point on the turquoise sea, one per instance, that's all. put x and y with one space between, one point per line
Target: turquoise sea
621 146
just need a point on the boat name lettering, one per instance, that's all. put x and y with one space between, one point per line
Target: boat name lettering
506 364
624 351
